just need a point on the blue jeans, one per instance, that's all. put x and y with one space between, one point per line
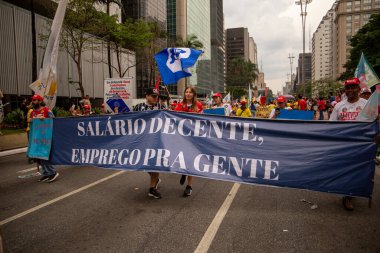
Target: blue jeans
47 170
320 115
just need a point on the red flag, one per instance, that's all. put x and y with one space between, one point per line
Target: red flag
158 82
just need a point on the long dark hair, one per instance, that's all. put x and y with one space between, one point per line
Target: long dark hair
194 100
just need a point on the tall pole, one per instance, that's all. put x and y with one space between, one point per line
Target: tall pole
291 57
34 42
303 4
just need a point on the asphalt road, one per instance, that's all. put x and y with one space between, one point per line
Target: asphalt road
116 215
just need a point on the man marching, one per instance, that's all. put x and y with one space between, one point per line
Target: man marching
151 103
40 111
218 103
349 109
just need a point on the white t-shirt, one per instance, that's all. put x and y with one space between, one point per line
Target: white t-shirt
345 110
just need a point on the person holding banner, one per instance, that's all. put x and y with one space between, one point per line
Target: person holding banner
348 110
189 103
151 103
281 104
218 103
40 111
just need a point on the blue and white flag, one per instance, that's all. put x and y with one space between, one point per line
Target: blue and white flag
173 63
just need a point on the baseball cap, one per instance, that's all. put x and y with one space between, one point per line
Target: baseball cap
217 95
281 99
37 97
352 81
243 102
151 91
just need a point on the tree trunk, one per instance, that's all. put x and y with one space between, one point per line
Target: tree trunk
80 81
109 46
118 56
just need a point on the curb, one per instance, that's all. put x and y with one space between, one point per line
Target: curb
13 151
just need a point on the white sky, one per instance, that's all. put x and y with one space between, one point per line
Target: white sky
276 27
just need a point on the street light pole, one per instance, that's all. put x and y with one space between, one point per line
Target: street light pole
291 57
303 4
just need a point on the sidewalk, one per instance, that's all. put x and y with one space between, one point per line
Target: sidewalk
13 141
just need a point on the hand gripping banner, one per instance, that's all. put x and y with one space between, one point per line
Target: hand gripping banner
334 157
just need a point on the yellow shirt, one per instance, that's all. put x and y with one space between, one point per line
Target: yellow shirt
28 117
246 113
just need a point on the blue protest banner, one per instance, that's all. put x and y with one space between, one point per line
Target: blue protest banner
216 111
334 157
296 114
40 138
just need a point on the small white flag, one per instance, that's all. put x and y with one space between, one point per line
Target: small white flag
227 98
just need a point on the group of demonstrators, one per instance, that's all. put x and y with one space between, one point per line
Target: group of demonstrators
347 109
345 106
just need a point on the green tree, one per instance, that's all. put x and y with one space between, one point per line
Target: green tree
81 20
108 3
299 89
367 41
191 41
237 92
158 35
130 35
323 87
241 73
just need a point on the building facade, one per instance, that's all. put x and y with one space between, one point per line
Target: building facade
322 63
218 51
152 11
193 17
237 43
252 50
16 58
307 65
350 16
199 23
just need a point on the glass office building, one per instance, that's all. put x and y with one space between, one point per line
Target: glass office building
199 23
153 11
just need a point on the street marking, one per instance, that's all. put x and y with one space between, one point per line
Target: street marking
13 151
208 237
59 198
27 170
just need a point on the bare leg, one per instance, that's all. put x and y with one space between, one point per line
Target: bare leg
153 178
189 180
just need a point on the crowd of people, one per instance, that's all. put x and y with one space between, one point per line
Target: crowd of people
345 105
